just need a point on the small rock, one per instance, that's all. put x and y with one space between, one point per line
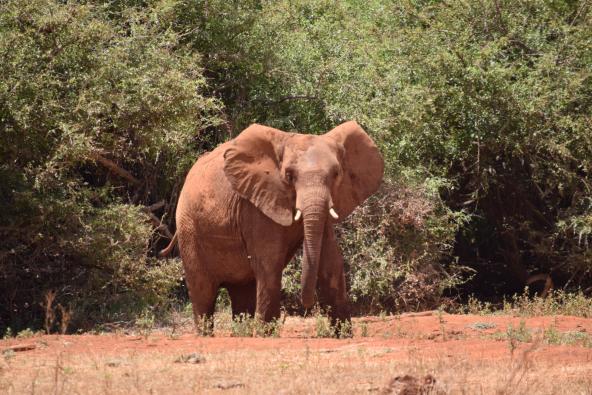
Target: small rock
482 325
409 385
226 385
191 358
113 363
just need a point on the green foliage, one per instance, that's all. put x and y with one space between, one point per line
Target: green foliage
477 307
493 98
8 334
90 108
552 336
521 334
326 327
25 334
145 322
323 326
398 247
247 326
398 252
555 303
363 329
481 110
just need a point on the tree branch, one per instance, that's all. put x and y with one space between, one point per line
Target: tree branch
155 220
114 167
154 207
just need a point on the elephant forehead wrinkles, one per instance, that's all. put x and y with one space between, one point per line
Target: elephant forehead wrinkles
319 158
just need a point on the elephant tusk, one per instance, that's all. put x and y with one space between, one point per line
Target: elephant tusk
333 213
298 215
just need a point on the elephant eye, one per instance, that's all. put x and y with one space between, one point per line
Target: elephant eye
289 176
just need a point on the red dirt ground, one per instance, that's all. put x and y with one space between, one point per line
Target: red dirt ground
430 339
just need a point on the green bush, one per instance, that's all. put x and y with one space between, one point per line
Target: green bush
399 249
398 252
481 110
98 117
491 97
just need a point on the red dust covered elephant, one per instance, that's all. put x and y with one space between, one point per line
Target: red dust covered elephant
247 206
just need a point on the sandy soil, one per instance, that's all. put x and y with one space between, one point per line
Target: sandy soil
433 353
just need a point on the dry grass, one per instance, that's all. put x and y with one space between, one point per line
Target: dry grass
349 370
117 364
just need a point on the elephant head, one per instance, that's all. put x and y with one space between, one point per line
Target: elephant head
289 176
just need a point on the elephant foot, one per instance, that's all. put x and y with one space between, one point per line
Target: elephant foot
341 322
343 329
204 326
269 329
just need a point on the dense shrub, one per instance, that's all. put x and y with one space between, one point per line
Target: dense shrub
398 249
98 116
493 97
481 110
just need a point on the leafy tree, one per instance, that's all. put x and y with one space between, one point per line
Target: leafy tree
99 116
481 110
492 97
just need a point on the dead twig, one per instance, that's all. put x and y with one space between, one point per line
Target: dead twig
421 313
19 348
159 225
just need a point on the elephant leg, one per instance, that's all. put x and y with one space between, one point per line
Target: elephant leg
202 289
266 247
331 282
268 296
243 298
202 293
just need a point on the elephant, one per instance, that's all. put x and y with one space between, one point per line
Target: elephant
247 206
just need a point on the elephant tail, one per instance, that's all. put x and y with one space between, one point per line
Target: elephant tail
169 248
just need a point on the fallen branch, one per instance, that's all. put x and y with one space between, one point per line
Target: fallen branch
542 277
154 206
109 164
19 348
423 313
159 225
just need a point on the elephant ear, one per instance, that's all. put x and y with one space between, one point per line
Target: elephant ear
363 167
252 164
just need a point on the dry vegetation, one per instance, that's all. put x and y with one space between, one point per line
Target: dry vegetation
465 354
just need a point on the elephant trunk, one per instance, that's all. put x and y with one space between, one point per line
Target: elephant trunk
314 213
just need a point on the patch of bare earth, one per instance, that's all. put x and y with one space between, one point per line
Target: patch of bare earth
422 354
